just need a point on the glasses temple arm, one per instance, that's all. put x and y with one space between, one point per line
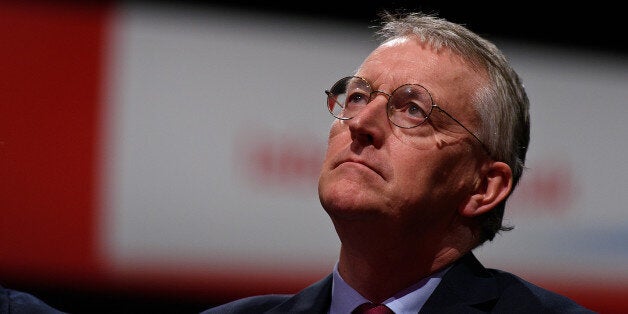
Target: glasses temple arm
464 127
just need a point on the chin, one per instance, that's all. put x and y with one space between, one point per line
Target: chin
354 214
348 204
347 196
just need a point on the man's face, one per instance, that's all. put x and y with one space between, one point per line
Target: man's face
417 177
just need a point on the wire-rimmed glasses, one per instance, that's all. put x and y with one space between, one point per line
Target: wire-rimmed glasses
409 105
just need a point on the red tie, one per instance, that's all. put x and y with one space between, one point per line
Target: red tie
370 308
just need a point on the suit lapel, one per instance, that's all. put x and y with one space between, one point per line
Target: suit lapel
467 287
313 299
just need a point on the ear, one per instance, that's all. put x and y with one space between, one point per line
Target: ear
493 186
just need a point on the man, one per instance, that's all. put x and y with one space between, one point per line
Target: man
429 142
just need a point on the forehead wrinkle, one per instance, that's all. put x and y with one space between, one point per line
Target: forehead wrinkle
391 66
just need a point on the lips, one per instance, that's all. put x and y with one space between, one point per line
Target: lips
362 161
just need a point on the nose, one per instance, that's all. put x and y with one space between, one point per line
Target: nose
369 126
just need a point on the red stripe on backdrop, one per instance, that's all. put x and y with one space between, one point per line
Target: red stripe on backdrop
598 295
50 95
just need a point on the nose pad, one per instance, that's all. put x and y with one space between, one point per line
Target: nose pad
375 93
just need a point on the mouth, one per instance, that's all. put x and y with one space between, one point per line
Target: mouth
359 162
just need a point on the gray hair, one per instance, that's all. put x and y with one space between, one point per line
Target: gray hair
502 105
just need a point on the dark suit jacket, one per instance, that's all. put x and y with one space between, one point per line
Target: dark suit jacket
467 287
17 302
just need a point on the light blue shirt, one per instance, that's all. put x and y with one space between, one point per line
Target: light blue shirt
345 299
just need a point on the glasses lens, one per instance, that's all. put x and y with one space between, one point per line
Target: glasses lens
347 97
409 106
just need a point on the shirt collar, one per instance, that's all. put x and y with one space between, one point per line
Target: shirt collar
409 300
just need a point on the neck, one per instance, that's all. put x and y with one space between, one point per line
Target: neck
378 264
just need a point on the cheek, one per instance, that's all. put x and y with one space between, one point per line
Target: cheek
413 178
338 128
335 143
339 138
457 175
429 176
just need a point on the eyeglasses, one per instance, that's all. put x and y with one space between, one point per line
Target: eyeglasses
409 106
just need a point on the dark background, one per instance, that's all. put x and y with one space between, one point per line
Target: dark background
592 26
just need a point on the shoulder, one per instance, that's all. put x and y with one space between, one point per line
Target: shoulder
313 299
254 304
16 302
530 297
470 287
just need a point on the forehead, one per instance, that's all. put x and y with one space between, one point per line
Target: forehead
407 60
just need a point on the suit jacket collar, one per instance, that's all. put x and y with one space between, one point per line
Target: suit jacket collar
313 299
466 287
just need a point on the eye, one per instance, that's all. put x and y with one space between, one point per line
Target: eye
415 110
356 99
408 110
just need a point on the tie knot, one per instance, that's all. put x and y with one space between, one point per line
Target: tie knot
371 308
